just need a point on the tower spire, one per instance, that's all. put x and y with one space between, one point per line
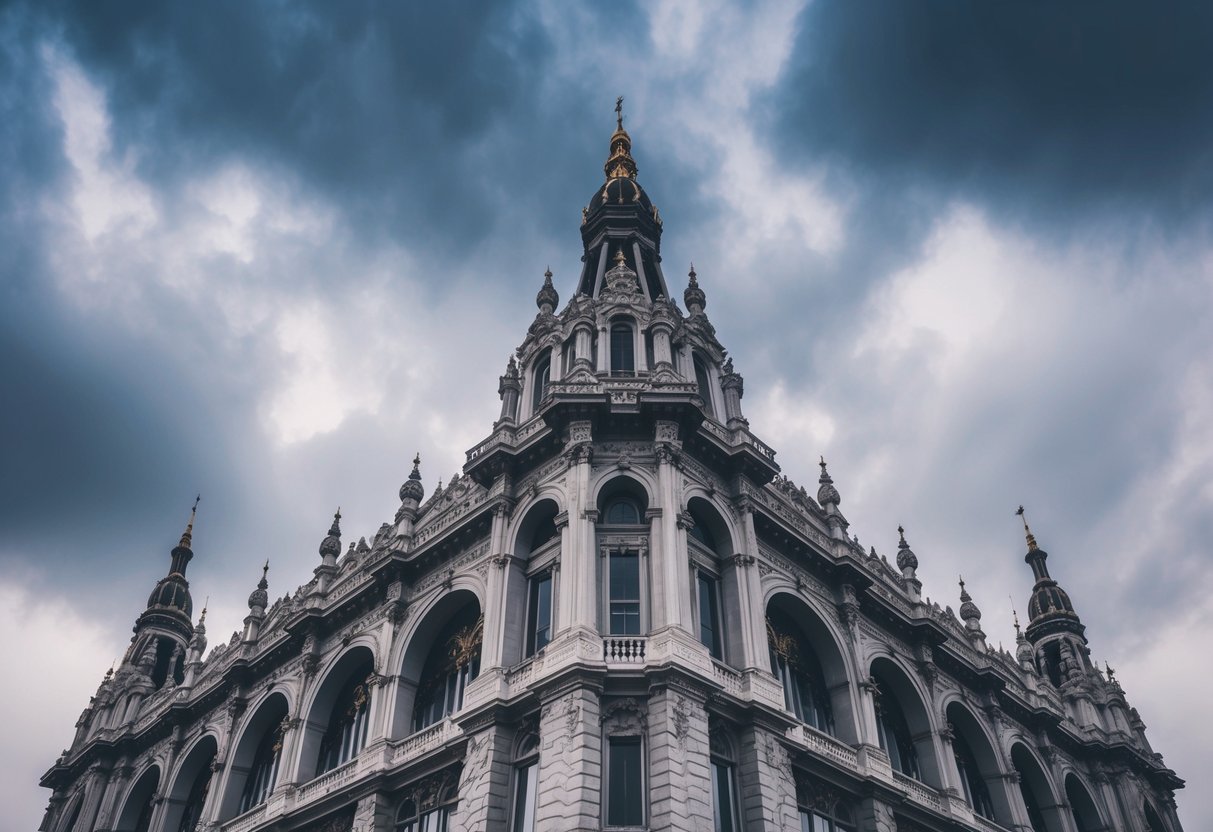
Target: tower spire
619 163
1050 610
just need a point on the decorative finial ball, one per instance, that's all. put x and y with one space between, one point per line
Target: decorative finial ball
412 490
906 559
693 297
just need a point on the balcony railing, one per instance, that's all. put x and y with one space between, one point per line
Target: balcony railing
617 650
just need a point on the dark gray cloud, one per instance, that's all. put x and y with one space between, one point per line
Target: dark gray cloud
1049 109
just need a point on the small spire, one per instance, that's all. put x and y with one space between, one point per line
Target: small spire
187 537
1014 617
694 297
201 625
416 475
620 259
619 163
548 298
827 494
336 527
692 277
330 547
969 613
1031 538
1110 670
964 594
619 113
906 559
263 583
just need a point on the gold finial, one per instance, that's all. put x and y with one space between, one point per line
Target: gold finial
1027 532
620 259
619 163
187 537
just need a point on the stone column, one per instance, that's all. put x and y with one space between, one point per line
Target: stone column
749 594
578 574
94 791
680 783
375 813
768 790
111 803
671 595
604 347
484 784
876 816
570 762
495 595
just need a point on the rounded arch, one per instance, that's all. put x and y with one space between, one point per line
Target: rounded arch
539 378
69 818
903 722
1036 790
537 528
1085 813
450 623
790 616
252 766
621 335
191 785
136 814
710 528
615 489
978 765
343 687
703 382
1153 819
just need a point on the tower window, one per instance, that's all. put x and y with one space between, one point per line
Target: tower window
795 664
622 512
348 724
703 382
623 350
541 382
454 661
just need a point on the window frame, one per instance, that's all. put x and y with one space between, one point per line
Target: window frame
619 325
541 380
628 739
526 759
717 763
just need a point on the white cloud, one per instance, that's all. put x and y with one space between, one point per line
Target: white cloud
58 654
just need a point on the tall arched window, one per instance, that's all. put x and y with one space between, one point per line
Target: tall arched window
976 792
195 800
795 664
623 350
541 380
622 511
1082 807
703 382
348 723
894 732
1153 821
453 662
526 784
264 771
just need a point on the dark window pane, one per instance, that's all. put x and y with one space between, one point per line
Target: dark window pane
709 615
542 380
539 617
705 387
722 789
623 359
625 783
625 576
622 512
524 798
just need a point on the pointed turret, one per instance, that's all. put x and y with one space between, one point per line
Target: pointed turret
694 298
330 548
971 616
169 606
258 600
907 562
620 217
548 298
1049 609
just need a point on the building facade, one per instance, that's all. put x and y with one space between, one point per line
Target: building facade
618 616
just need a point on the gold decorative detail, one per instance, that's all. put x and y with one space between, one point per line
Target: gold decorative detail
1031 538
187 535
464 645
782 644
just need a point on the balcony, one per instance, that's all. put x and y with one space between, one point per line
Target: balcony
627 650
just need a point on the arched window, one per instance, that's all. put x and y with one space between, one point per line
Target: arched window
1082 807
623 350
1153 821
622 511
264 771
453 662
703 382
427 806
725 814
195 800
541 380
894 732
976 792
822 809
136 813
1034 788
75 815
526 784
795 664
348 723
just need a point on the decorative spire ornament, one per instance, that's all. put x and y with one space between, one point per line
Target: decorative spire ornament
548 298
827 494
412 488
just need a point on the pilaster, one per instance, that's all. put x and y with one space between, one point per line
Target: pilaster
680 796
570 762
768 789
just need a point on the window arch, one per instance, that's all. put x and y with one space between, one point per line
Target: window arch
623 542
1153 821
74 815
621 511
137 810
796 666
526 783
977 766
194 781
427 804
541 380
1082 806
822 808
623 349
893 732
708 543
254 763
452 663
723 759
1037 794
348 721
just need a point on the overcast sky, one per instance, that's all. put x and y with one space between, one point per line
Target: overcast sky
266 252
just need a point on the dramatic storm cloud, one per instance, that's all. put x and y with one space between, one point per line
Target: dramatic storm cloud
266 252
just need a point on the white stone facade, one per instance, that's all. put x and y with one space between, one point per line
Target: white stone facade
682 573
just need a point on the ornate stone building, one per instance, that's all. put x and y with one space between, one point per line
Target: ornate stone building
619 615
